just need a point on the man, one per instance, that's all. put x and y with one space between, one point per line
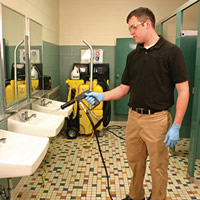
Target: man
152 71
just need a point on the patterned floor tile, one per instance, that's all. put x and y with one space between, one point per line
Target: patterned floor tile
74 170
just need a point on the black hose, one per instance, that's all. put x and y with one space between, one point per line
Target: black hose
102 159
106 104
104 164
115 127
116 135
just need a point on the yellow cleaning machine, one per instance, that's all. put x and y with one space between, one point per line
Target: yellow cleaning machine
84 80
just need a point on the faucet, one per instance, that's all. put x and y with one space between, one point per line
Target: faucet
3 140
42 103
49 102
25 117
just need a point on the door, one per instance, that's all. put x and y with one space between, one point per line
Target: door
188 47
123 47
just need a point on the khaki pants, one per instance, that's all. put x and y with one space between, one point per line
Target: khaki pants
145 136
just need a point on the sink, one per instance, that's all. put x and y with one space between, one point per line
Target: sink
51 106
41 124
20 155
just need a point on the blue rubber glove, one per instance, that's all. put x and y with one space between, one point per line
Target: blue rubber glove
172 136
90 97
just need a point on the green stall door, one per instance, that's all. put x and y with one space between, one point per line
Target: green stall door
188 47
123 47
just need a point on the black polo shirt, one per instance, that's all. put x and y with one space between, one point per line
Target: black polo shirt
152 74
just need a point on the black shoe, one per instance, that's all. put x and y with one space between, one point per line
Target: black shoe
128 198
149 197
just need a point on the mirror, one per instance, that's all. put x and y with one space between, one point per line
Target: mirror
35 56
13 55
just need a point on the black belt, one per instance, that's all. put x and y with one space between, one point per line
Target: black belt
146 111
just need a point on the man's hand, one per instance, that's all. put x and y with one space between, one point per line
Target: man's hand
172 136
90 97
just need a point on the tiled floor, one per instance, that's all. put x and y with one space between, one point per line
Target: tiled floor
74 171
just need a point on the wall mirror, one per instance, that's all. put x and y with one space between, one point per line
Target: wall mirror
35 56
13 55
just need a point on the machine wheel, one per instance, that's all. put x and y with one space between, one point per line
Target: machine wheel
72 133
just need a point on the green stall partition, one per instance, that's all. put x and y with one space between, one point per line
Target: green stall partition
188 47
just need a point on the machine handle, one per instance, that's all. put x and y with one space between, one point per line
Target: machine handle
79 98
82 96
67 104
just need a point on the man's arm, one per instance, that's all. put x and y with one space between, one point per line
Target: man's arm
182 101
172 136
116 93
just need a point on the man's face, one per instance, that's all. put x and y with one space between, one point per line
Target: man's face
137 29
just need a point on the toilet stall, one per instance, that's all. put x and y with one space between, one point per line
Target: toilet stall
182 27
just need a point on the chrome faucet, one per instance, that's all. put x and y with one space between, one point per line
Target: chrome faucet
25 117
49 102
42 103
3 140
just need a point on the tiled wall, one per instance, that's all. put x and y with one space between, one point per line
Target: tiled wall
51 62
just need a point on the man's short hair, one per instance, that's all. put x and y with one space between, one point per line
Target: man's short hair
142 14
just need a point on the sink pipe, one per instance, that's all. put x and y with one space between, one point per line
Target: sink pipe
10 189
10 195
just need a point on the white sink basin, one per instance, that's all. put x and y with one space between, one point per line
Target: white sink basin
43 124
21 154
51 106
